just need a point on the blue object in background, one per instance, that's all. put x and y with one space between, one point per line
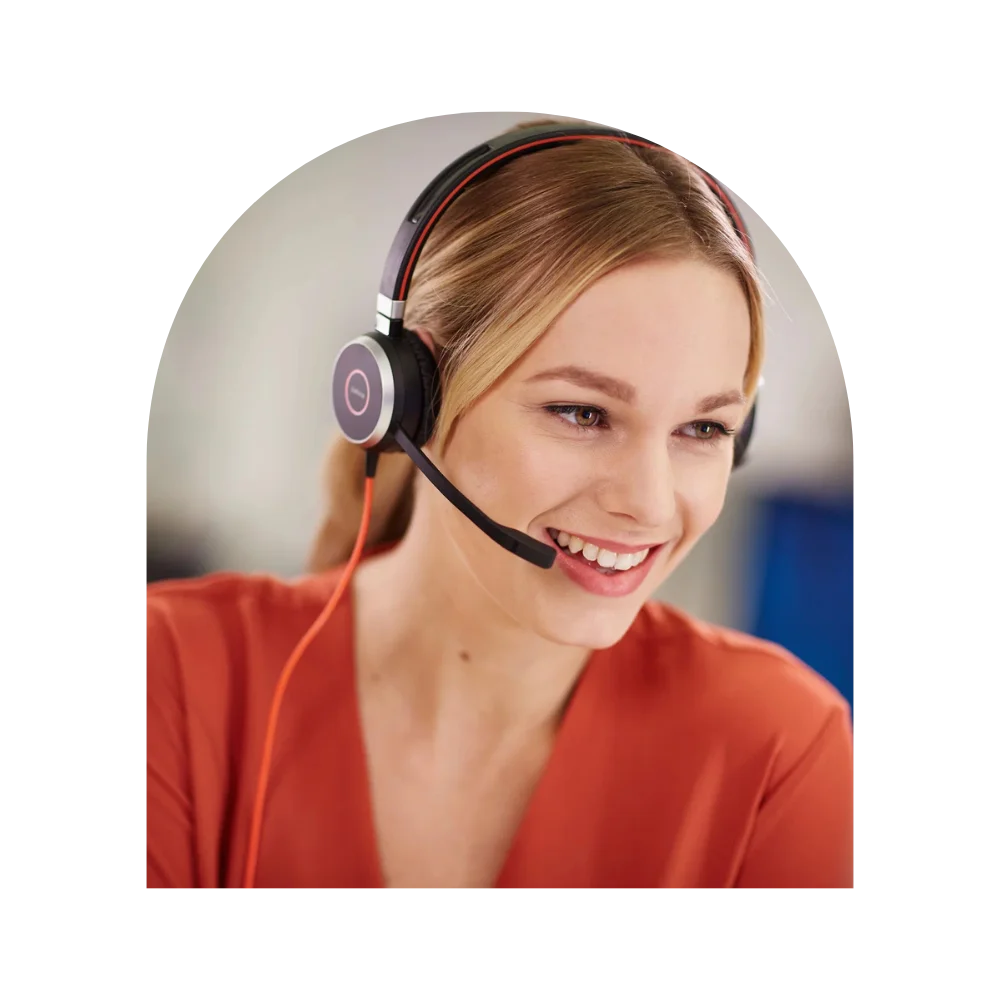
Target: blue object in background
804 581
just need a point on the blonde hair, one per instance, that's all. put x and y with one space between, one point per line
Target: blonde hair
504 260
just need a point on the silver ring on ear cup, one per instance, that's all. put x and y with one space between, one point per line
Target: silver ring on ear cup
364 391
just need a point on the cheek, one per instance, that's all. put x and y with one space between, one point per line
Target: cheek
509 469
487 466
701 488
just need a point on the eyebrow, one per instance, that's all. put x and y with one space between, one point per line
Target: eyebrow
587 379
721 399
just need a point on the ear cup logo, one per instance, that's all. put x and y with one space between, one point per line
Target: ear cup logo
357 392
363 393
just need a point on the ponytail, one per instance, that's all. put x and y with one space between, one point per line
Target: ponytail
344 490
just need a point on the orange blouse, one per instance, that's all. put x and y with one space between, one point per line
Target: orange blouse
689 755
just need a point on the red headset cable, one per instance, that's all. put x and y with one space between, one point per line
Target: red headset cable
253 847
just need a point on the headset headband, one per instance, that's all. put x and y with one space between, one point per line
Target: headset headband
441 191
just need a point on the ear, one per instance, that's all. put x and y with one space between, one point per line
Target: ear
424 334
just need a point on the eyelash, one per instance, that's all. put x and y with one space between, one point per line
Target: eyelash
559 410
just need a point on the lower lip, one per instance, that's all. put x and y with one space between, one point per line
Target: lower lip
621 583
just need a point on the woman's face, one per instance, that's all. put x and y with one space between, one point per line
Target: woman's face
612 429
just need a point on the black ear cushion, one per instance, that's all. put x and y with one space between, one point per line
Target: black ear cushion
430 383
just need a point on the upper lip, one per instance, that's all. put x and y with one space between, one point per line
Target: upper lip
603 543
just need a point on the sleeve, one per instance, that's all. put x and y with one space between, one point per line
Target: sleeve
170 843
804 833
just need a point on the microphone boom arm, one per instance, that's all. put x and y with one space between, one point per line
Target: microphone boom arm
528 548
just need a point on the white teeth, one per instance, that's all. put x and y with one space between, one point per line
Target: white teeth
604 558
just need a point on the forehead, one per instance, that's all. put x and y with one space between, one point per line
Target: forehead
654 324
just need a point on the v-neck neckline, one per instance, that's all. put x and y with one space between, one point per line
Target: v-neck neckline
567 737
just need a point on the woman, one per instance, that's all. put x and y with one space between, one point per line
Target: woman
466 718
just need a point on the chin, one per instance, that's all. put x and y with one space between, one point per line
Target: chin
589 630
603 638
570 617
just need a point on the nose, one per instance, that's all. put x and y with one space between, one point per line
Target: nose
641 484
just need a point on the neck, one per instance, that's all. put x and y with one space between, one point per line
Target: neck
425 626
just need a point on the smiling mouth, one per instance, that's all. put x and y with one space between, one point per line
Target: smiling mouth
605 561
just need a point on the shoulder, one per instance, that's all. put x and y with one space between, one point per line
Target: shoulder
232 602
744 689
218 634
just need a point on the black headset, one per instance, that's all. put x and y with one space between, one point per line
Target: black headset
386 386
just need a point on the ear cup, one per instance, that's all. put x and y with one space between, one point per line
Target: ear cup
428 387
743 436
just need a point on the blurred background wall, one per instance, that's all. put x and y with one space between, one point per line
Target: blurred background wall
241 416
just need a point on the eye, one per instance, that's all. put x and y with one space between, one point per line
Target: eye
709 431
587 417
706 431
